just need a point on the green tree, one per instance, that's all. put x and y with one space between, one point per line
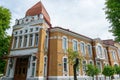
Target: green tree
112 11
108 71
74 59
117 70
92 70
5 17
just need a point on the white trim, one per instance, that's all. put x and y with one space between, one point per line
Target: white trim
45 75
66 43
84 54
100 65
88 44
73 44
67 66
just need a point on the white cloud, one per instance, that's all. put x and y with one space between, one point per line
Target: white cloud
82 16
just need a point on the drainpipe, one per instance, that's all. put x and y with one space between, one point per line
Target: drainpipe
48 54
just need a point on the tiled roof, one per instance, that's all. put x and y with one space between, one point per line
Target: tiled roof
38 9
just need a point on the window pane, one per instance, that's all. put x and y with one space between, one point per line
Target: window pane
65 64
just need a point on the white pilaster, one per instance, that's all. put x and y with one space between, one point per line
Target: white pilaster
22 41
17 41
33 40
28 37
13 42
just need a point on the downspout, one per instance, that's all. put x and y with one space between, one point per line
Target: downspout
48 55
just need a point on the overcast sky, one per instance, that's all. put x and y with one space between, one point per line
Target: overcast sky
85 17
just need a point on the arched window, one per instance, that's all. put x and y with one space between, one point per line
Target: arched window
82 46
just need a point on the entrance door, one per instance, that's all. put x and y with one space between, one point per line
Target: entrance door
21 68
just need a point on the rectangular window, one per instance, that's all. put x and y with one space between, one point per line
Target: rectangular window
105 52
15 42
75 47
84 66
113 55
82 46
89 50
64 43
25 41
33 66
45 66
20 41
30 40
65 65
98 66
36 39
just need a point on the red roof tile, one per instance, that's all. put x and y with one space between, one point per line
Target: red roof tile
38 9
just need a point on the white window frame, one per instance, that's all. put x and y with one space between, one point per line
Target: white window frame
45 67
100 65
74 40
105 52
36 39
30 39
65 73
33 75
82 46
64 43
91 61
84 66
114 55
89 52
99 52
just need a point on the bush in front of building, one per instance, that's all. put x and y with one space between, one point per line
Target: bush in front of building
92 70
108 71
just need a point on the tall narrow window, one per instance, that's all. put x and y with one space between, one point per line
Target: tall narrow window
113 55
25 41
20 41
45 66
30 40
99 66
89 50
84 66
15 42
36 39
75 45
105 52
65 66
99 51
64 43
33 66
82 46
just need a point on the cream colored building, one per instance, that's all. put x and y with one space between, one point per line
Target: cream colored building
38 50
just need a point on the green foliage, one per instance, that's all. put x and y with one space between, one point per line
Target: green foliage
72 55
92 70
112 11
4 45
117 69
5 17
108 71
